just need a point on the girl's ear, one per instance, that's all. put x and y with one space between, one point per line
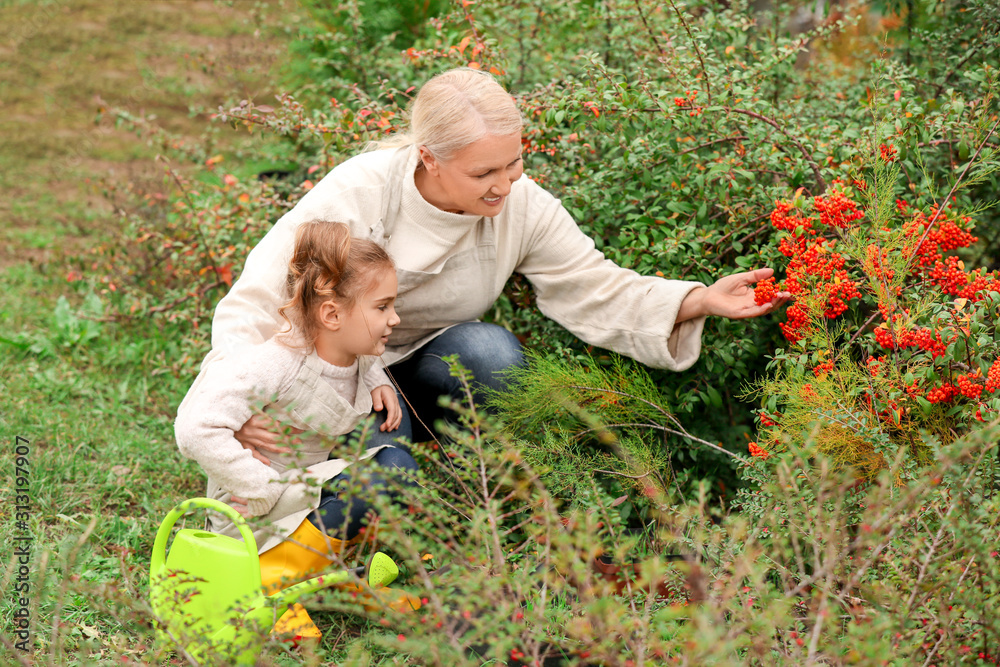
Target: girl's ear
429 161
329 315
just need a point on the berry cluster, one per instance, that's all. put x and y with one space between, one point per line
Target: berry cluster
837 210
816 275
924 315
758 452
823 368
946 235
764 291
887 152
920 338
688 102
942 394
783 221
993 377
969 385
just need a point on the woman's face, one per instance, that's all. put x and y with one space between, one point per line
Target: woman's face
475 180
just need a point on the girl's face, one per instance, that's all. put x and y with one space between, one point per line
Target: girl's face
367 325
476 180
364 328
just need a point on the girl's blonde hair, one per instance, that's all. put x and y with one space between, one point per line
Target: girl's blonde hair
455 109
328 264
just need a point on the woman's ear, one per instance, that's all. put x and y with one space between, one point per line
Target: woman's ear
429 161
329 315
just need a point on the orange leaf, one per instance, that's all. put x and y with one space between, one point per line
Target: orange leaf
464 43
474 65
226 274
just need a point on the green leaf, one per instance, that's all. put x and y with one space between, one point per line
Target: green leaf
714 397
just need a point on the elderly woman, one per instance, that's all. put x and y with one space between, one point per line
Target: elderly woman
448 201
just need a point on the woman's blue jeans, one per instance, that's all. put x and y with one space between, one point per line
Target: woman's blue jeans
485 350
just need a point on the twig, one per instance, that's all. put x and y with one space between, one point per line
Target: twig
938 537
697 51
714 246
709 143
930 654
652 35
940 207
176 302
197 226
861 329
621 474
773 123
961 578
14 651
682 433
622 393
814 639
940 86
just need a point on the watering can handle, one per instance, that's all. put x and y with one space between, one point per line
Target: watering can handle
160 543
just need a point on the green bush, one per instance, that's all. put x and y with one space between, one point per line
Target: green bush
668 132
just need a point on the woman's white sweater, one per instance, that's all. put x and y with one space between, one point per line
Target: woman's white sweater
600 302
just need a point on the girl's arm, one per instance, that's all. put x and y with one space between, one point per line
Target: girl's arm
220 402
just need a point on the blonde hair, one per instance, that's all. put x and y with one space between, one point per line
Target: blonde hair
455 109
328 264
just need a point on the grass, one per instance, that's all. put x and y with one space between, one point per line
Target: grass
96 403
101 465
65 60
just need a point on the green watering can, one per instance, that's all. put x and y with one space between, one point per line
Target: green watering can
207 592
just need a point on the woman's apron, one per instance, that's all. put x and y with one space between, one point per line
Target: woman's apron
315 406
460 290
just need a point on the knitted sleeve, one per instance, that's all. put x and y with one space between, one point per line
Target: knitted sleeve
223 398
376 376
599 301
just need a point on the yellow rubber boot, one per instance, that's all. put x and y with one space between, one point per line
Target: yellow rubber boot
295 626
306 552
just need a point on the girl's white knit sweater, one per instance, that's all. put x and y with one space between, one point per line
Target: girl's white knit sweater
227 396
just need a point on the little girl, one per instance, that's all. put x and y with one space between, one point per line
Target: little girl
322 375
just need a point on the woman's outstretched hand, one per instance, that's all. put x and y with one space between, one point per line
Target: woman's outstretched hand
732 297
